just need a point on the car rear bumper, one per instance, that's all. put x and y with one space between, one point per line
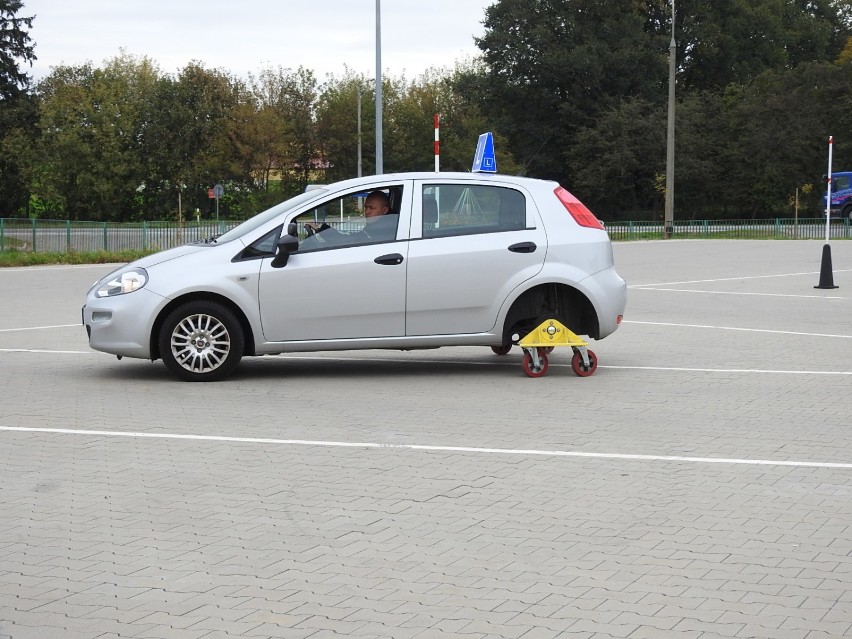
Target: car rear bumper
609 294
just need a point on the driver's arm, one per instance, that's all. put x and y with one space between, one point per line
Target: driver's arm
313 227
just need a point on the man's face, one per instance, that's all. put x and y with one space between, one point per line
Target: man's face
374 207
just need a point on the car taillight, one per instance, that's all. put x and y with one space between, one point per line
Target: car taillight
581 215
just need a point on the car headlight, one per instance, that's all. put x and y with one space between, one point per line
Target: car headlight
123 282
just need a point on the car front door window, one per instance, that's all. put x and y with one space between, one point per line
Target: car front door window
349 221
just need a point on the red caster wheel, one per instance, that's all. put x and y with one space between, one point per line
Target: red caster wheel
577 364
502 350
547 350
530 369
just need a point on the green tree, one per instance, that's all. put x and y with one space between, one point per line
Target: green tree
272 136
287 102
409 110
15 47
462 120
18 137
845 56
734 41
185 144
780 126
408 129
553 66
580 88
624 151
92 121
337 125
704 149
17 108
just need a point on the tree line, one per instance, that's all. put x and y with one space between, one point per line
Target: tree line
574 90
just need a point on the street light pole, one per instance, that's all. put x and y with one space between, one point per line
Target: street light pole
668 222
359 129
379 158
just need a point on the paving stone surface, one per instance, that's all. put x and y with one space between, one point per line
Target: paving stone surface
699 485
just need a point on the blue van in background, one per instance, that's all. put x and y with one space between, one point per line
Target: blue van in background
841 195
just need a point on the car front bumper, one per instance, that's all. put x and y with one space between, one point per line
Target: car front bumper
121 325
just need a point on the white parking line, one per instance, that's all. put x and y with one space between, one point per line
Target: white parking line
432 448
720 370
734 279
566 365
689 290
38 328
468 362
736 328
44 350
57 267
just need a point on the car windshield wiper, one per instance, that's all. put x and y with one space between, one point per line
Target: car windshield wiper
212 239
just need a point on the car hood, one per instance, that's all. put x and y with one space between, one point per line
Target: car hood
171 254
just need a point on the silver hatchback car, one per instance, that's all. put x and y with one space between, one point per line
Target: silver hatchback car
455 259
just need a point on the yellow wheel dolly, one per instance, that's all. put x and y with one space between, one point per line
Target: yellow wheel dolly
544 338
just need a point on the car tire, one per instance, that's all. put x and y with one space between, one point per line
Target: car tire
201 341
847 212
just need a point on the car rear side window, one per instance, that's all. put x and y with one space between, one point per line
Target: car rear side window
459 209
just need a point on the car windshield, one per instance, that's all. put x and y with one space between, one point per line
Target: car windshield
262 218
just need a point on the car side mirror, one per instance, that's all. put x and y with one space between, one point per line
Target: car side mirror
286 245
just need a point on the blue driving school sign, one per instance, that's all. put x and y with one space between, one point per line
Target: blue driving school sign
484 160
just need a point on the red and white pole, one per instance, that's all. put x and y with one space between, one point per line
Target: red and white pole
437 144
828 193
826 273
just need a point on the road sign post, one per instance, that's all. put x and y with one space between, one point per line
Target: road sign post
218 192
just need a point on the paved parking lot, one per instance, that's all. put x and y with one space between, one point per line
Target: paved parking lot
698 485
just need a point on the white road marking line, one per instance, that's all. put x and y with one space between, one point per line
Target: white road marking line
566 365
59 267
424 447
445 362
736 328
734 279
687 290
44 350
720 370
38 328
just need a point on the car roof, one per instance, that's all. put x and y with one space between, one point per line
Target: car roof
443 175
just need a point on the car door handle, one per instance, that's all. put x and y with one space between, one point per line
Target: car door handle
523 247
391 259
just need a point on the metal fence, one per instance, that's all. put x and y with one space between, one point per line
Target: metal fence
774 229
61 236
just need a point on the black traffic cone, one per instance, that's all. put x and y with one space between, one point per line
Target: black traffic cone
826 277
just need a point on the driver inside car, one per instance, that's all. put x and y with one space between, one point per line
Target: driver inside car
380 225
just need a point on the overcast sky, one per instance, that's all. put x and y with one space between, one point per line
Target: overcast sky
243 36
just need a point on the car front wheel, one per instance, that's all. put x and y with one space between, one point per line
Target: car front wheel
201 342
